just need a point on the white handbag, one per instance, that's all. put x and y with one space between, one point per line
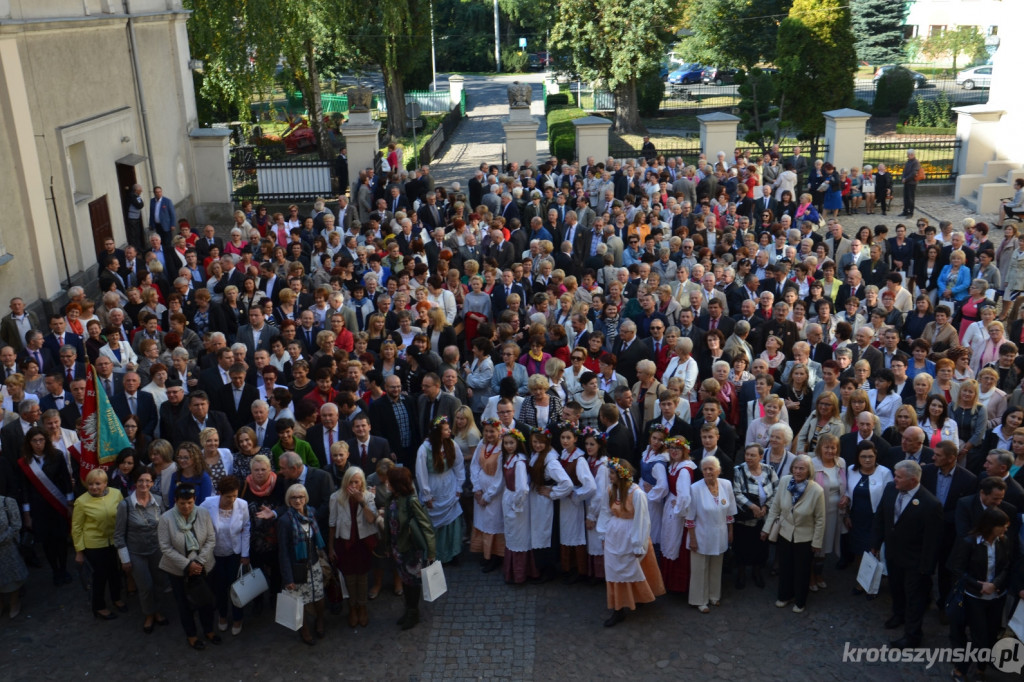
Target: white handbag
290 611
434 583
247 586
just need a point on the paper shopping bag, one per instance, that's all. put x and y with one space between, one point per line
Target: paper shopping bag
870 574
434 584
1017 622
289 610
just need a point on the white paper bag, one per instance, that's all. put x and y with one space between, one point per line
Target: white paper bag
289 610
870 574
1017 621
344 587
434 584
248 586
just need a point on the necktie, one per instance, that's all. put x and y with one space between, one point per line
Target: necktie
330 439
39 359
901 503
657 347
714 324
629 423
132 405
309 339
70 376
259 435
363 453
109 386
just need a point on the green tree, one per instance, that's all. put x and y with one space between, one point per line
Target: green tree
963 40
758 107
878 28
614 42
732 32
816 61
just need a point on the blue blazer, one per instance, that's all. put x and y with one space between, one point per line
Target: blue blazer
167 220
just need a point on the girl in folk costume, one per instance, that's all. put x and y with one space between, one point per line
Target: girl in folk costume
486 475
654 478
440 471
515 509
548 482
675 564
631 570
597 457
572 516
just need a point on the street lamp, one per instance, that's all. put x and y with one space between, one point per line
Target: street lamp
497 39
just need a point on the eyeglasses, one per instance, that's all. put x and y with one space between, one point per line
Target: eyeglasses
577 358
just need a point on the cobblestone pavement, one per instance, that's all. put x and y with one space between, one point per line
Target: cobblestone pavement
481 630
480 137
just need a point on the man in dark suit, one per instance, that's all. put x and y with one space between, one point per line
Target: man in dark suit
997 464
780 327
911 447
235 398
13 435
270 284
476 189
318 484
799 166
212 378
949 483
162 218
620 440
325 434
56 396
727 438
45 359
306 332
709 437
257 335
171 410
231 276
991 494
509 209
667 420
766 202
504 289
111 279
59 336
500 250
72 411
393 416
715 318
865 431
909 522
264 427
132 401
199 417
430 213
628 350
579 337
364 448
863 350
433 403
208 240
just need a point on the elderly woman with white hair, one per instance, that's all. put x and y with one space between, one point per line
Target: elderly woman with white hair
299 544
762 416
709 520
777 454
799 511
646 388
683 365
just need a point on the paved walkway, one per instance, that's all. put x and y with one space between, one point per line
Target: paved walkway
480 137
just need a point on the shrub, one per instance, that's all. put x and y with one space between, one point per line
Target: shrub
558 100
513 60
930 113
562 133
649 93
893 91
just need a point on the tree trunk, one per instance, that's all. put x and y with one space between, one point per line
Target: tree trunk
394 95
316 107
627 110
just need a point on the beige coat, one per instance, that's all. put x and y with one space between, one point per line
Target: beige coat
803 523
172 542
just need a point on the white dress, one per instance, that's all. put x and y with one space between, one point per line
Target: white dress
597 505
624 539
487 519
572 513
711 516
514 507
673 516
656 492
542 509
441 488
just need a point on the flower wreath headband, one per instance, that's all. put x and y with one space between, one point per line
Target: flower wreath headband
615 464
517 434
678 442
590 432
491 422
440 420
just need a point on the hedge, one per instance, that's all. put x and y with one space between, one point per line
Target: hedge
562 133
559 100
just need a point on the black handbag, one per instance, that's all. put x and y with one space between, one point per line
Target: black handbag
300 572
198 592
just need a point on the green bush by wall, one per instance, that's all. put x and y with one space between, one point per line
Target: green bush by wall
561 131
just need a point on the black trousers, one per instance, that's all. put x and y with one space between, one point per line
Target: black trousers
911 592
985 620
946 579
186 613
135 234
909 196
794 570
105 574
225 572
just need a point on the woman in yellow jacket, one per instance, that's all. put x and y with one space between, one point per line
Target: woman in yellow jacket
799 509
92 531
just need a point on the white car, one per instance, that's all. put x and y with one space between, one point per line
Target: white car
975 77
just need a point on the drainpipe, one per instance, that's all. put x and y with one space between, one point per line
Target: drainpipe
132 46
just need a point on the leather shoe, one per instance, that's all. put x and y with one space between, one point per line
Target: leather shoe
741 578
905 643
894 622
617 617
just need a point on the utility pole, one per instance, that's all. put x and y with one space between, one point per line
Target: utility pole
433 60
497 39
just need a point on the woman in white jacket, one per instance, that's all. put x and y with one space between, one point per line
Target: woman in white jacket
119 351
230 517
709 522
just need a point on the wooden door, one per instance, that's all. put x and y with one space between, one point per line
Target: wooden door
126 180
99 216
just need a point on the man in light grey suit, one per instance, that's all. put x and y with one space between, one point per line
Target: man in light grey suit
584 213
257 335
802 356
684 185
433 403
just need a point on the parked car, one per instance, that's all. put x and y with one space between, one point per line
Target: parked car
975 77
688 73
538 60
920 80
718 76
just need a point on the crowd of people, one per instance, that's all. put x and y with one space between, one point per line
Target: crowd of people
639 373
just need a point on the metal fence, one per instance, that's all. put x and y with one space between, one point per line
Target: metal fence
937 154
257 179
431 102
677 97
691 151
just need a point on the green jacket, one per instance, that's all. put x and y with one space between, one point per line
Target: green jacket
415 531
302 449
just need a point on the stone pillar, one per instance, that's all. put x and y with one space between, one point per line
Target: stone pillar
361 133
455 85
551 84
977 128
210 174
520 126
591 137
717 134
844 135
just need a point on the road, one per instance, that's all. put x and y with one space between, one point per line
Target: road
863 88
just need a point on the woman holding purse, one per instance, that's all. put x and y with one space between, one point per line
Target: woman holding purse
299 545
230 516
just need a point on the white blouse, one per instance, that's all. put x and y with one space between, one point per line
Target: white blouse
709 516
232 526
